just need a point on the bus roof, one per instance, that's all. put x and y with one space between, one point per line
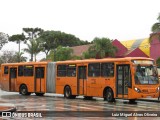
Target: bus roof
25 63
81 61
105 60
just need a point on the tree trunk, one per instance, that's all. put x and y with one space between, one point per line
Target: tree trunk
31 57
19 59
46 52
35 58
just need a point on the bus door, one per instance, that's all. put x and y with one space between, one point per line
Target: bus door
123 79
82 80
39 79
12 79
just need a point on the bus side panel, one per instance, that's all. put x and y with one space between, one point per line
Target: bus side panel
4 82
66 81
28 81
51 78
60 83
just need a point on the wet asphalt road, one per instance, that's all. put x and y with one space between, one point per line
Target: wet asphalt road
68 108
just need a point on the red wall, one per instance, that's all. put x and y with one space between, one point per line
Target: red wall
155 49
121 48
136 53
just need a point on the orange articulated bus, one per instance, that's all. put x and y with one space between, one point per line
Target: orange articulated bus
126 78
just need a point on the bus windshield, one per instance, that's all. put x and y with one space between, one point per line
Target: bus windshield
146 75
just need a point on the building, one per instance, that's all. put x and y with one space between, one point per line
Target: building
129 48
155 46
137 48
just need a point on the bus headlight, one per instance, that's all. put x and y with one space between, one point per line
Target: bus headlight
158 89
137 90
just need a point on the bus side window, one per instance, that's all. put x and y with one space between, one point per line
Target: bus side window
28 70
5 69
20 70
40 72
61 70
107 69
13 72
71 71
94 70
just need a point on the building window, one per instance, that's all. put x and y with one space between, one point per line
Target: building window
94 70
28 70
107 69
61 70
5 69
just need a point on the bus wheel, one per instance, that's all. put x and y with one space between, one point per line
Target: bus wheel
24 90
67 92
109 95
39 94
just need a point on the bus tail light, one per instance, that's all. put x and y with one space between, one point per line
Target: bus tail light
137 90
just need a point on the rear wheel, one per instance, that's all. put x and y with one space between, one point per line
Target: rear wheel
68 93
109 95
24 90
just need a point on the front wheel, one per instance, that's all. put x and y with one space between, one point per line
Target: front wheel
24 90
109 95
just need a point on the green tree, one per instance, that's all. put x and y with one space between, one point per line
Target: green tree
49 41
86 54
11 57
61 54
18 38
51 55
3 39
19 56
156 30
70 40
158 62
156 26
7 57
32 34
52 39
101 48
33 48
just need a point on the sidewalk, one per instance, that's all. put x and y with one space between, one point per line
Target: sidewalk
6 107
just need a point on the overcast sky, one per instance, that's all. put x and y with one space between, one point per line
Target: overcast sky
86 19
